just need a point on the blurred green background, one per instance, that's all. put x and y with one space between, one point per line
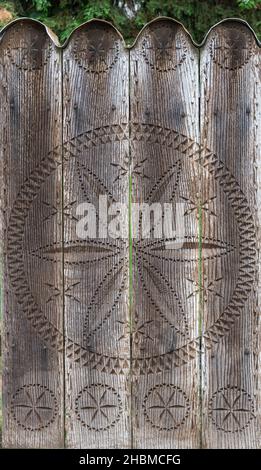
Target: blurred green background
62 16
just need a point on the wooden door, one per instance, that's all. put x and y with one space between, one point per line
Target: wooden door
146 337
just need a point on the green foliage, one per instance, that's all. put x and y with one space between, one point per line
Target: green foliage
62 16
42 6
248 4
8 7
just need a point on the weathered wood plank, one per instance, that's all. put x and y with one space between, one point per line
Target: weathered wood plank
164 134
30 110
162 346
230 85
96 269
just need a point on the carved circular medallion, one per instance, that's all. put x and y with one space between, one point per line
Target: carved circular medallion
34 407
231 409
166 407
28 52
98 407
164 48
96 49
161 306
232 49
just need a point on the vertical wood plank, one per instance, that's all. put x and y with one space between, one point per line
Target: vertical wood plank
30 102
164 139
230 96
96 268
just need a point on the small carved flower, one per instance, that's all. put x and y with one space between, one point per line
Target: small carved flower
166 407
231 409
34 407
96 50
163 50
232 49
98 407
29 53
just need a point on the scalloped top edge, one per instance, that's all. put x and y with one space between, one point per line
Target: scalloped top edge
57 43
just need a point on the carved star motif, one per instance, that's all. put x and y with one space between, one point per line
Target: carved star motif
166 406
231 408
135 169
196 205
139 330
207 287
164 48
34 406
59 211
98 406
97 50
23 50
58 292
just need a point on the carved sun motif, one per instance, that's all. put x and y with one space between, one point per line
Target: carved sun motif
231 409
166 407
98 407
163 49
95 49
157 270
232 49
34 407
31 52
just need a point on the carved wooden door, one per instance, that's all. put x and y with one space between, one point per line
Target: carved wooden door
128 341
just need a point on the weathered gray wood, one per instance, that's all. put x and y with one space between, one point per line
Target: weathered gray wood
164 134
30 110
112 342
96 270
230 91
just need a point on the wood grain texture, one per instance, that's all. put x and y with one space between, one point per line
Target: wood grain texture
96 269
230 85
30 103
164 136
133 341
